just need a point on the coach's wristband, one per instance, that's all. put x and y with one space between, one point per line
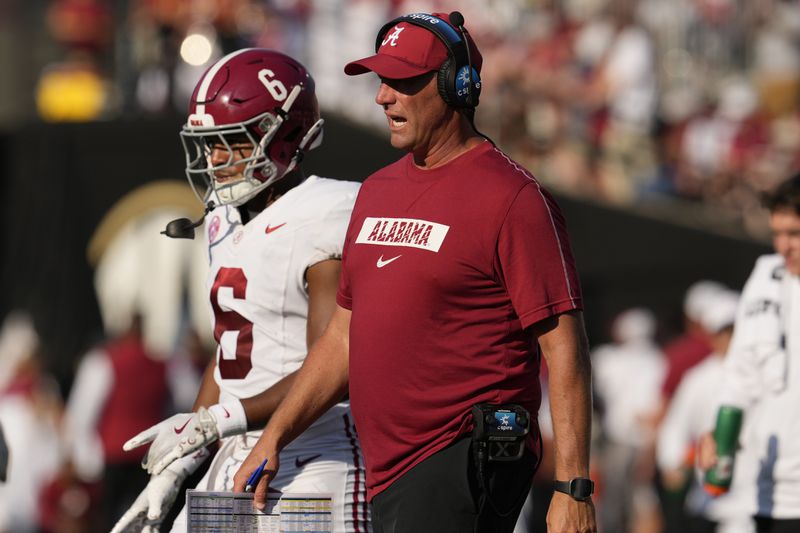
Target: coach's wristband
230 418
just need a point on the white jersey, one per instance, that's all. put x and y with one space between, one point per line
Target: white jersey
259 301
762 375
257 282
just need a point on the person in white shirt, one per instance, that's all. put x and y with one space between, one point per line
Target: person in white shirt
627 375
761 375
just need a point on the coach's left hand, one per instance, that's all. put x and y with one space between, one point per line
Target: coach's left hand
567 515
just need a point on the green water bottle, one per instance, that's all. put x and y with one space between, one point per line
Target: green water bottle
726 435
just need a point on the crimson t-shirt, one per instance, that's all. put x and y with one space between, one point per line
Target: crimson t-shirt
443 270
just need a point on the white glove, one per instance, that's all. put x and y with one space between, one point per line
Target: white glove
152 505
166 435
201 429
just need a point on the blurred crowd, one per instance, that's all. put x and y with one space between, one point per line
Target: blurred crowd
627 100
624 101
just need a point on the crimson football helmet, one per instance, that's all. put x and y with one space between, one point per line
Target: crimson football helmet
254 96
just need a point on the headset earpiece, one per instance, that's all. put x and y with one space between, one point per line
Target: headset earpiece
443 82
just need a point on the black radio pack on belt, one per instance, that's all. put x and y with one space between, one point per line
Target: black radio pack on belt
499 435
500 430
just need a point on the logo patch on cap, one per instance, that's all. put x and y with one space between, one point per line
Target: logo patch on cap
392 38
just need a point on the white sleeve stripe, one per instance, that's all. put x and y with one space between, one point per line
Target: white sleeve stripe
552 223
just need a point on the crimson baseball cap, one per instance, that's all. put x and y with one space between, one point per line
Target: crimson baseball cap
408 50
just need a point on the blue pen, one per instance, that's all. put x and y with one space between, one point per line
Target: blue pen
252 481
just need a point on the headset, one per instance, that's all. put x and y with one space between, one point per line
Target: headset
459 84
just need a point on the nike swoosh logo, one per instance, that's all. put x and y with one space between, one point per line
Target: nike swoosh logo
300 463
179 430
381 263
270 229
227 414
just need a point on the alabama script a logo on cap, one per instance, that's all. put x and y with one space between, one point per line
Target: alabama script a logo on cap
392 39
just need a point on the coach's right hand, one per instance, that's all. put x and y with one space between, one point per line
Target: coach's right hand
262 450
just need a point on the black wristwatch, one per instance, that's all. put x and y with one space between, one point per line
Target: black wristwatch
580 488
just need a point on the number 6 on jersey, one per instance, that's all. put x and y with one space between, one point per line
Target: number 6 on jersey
231 322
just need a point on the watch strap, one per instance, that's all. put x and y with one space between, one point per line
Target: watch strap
578 488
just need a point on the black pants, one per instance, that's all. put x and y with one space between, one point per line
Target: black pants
699 524
442 495
772 525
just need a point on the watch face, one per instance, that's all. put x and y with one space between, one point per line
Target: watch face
581 488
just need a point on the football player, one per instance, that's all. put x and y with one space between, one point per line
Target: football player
274 247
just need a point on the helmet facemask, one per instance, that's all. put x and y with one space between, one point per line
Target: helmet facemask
258 171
